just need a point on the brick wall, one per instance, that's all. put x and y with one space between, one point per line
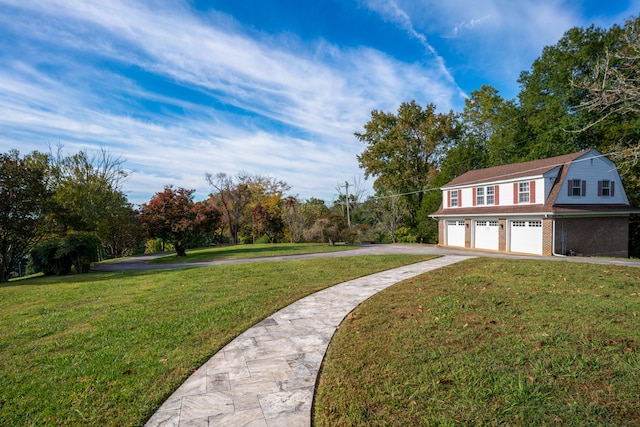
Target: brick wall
441 226
547 238
607 236
467 233
502 235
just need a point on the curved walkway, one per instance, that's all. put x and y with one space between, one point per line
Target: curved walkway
267 375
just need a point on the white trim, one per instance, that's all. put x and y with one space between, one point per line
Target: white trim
489 183
537 214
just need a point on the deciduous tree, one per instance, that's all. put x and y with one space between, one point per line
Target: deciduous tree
293 219
172 215
26 193
390 211
614 88
232 199
90 198
549 102
404 150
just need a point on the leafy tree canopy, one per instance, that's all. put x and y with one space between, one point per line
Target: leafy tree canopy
173 216
404 150
26 193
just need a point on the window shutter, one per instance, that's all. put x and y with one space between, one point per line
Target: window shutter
515 193
532 191
496 195
449 198
569 187
474 196
460 198
584 188
611 188
599 188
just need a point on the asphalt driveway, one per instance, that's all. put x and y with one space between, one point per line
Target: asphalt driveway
142 262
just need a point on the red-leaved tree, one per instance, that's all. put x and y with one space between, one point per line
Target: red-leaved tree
173 216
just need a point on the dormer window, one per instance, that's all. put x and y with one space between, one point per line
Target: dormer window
484 196
523 192
454 198
577 188
605 188
480 196
491 195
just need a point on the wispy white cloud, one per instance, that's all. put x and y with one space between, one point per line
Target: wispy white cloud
391 11
179 93
467 25
494 40
286 109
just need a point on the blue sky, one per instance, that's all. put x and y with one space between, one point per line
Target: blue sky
271 87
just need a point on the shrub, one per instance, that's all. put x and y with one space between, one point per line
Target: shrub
59 257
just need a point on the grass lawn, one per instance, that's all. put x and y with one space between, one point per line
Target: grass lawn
251 251
490 342
108 348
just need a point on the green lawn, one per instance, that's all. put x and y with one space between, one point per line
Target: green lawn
107 348
490 342
252 251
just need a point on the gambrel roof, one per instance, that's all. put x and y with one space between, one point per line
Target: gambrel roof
559 165
513 170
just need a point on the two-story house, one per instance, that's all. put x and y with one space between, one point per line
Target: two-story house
571 204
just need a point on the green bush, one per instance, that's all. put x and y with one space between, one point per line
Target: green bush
59 257
46 259
154 246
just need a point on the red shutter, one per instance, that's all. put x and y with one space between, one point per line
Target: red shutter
611 188
474 196
449 198
532 191
584 188
599 188
496 194
460 198
515 193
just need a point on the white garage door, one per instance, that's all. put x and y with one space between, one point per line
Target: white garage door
526 236
486 235
455 233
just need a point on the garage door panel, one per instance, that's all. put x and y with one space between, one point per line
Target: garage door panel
526 236
455 233
487 235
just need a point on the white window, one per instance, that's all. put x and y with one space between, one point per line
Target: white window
485 195
480 196
454 198
523 192
605 188
490 195
576 187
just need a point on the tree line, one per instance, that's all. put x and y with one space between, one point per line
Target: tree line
59 214
63 212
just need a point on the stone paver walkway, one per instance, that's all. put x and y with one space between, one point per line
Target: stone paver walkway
267 375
